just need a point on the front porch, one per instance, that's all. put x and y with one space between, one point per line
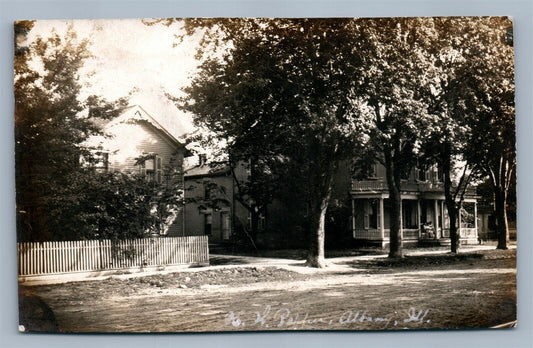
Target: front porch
424 221
467 236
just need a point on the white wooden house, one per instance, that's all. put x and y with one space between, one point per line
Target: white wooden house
149 143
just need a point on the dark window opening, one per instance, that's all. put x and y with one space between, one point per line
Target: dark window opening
208 224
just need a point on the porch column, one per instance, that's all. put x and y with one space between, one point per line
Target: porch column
382 219
436 220
419 210
475 217
442 217
353 217
401 219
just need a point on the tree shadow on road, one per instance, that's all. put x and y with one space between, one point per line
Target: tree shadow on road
227 260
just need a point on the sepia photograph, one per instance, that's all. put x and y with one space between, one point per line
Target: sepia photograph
265 174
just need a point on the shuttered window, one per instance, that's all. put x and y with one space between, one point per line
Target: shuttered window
152 169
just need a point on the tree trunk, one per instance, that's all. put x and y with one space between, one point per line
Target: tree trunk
321 186
502 228
315 255
396 243
453 210
393 181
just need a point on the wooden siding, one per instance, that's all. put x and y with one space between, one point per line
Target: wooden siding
133 140
194 217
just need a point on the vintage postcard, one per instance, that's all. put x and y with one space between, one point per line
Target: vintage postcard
265 174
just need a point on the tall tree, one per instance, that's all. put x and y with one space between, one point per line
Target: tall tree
466 53
283 91
493 142
47 128
449 92
50 127
393 97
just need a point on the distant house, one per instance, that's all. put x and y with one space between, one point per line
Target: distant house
424 216
139 142
487 223
359 210
211 208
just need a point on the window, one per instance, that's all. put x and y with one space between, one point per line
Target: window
210 190
373 174
261 222
422 174
372 218
438 173
208 224
409 214
151 168
102 162
225 224
159 170
404 175
207 191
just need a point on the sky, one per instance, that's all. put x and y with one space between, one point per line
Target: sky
128 54
131 56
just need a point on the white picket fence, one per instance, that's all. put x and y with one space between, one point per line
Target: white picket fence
98 255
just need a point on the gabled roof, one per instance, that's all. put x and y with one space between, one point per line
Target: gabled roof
205 170
164 112
137 113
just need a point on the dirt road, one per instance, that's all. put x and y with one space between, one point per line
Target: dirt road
417 293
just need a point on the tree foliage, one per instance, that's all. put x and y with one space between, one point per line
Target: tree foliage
281 93
493 138
465 52
293 97
60 193
393 100
48 129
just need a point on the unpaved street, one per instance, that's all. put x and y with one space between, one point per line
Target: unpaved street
418 293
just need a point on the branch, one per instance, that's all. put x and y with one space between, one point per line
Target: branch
239 195
492 177
464 188
508 177
461 180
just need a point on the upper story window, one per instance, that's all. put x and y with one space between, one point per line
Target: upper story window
432 173
404 175
373 174
209 192
152 169
422 174
102 162
438 173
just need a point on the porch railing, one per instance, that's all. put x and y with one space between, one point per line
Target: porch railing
375 234
465 232
411 234
377 185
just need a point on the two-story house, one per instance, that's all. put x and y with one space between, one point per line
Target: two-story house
147 143
424 216
211 207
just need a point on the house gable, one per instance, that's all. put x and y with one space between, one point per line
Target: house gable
135 134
